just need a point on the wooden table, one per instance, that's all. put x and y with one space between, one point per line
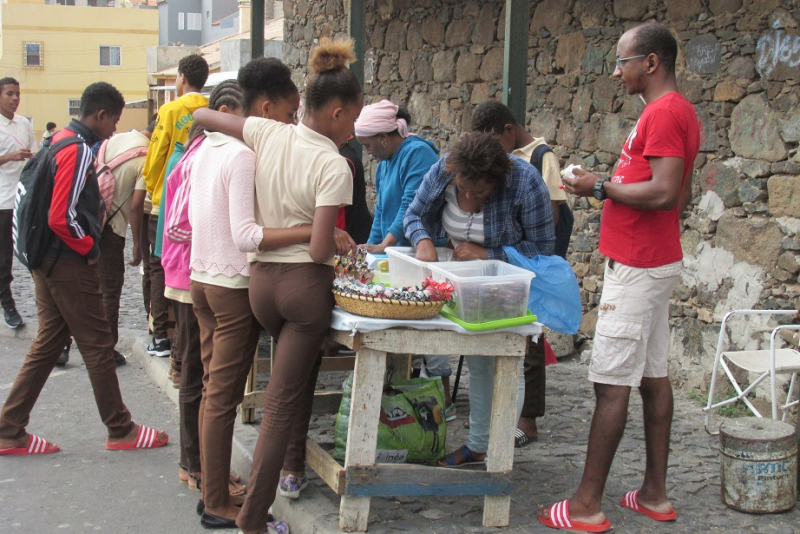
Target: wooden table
361 478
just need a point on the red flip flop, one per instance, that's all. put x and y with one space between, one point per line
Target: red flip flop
558 517
145 439
36 445
631 502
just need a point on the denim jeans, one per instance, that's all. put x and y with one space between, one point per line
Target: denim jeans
481 389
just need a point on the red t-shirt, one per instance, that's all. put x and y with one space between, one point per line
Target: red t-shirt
668 127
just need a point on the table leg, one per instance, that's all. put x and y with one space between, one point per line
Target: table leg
496 508
362 432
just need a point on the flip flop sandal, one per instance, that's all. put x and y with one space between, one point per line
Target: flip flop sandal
35 446
466 424
146 438
450 413
558 517
631 502
183 474
521 439
235 489
450 459
194 482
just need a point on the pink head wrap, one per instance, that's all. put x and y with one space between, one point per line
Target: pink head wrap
380 118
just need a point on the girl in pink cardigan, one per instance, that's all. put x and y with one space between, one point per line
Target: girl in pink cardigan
176 260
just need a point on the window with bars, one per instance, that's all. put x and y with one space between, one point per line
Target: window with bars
33 55
74 107
110 56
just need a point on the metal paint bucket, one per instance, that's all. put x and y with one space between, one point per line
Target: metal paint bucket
759 465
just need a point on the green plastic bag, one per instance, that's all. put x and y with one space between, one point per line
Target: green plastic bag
412 427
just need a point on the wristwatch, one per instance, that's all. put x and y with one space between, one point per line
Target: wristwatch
598 191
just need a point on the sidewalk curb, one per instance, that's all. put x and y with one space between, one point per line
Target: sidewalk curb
313 513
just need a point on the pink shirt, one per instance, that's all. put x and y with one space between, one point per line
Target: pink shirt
222 209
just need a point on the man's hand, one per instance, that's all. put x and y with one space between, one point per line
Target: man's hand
426 251
344 243
19 155
582 185
137 256
470 251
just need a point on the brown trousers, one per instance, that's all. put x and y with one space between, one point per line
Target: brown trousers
293 301
228 340
68 300
144 248
535 380
159 305
111 268
187 333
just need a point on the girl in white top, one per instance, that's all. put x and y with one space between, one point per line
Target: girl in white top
301 181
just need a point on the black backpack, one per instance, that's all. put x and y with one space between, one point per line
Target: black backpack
30 226
565 218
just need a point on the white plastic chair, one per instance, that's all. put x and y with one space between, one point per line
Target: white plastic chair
766 363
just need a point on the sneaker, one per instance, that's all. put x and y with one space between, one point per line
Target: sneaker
161 348
290 486
64 358
13 318
119 359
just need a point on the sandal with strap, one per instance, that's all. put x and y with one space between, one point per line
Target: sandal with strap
558 517
35 446
451 461
146 438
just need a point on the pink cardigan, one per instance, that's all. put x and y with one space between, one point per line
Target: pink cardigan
176 253
222 207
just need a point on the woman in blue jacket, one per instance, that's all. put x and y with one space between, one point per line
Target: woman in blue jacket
404 158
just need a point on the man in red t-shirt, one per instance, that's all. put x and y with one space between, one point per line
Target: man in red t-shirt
640 234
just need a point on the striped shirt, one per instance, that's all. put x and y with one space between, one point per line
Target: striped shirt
460 225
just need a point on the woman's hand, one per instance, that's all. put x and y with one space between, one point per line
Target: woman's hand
373 249
580 186
470 251
426 251
344 243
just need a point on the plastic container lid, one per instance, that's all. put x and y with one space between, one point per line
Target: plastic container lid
406 270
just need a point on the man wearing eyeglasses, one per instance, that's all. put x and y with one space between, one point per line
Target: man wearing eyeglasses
640 235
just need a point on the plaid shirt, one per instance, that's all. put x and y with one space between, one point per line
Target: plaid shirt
519 214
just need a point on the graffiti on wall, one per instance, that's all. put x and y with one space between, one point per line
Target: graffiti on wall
777 49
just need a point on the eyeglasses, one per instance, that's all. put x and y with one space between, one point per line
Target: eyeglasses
621 60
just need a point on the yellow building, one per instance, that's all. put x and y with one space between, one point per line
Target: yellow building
55 51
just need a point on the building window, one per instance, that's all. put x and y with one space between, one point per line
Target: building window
65 2
181 18
33 55
110 56
194 21
74 105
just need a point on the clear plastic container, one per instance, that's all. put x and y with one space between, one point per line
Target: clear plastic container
488 290
406 270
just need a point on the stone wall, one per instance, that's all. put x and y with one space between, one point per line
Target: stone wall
739 64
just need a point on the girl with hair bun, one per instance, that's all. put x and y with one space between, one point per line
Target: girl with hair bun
224 230
175 259
301 181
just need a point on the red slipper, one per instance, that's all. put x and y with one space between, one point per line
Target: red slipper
558 517
145 439
631 502
36 445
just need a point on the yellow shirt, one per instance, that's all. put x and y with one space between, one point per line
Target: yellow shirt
551 170
297 171
174 122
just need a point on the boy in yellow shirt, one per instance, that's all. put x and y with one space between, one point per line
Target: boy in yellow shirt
174 122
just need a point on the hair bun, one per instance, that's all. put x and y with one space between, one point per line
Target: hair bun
331 55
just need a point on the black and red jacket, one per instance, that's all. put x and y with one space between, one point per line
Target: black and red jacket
75 207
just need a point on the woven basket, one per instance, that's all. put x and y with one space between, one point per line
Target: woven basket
383 308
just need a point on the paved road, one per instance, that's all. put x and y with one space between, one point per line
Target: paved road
85 488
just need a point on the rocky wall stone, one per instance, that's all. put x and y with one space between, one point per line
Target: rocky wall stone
755 132
784 195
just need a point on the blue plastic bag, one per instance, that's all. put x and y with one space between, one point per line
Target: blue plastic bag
555 297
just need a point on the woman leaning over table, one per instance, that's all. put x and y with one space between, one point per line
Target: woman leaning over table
301 181
482 199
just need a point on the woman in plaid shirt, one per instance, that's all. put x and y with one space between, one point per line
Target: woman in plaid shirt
481 199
